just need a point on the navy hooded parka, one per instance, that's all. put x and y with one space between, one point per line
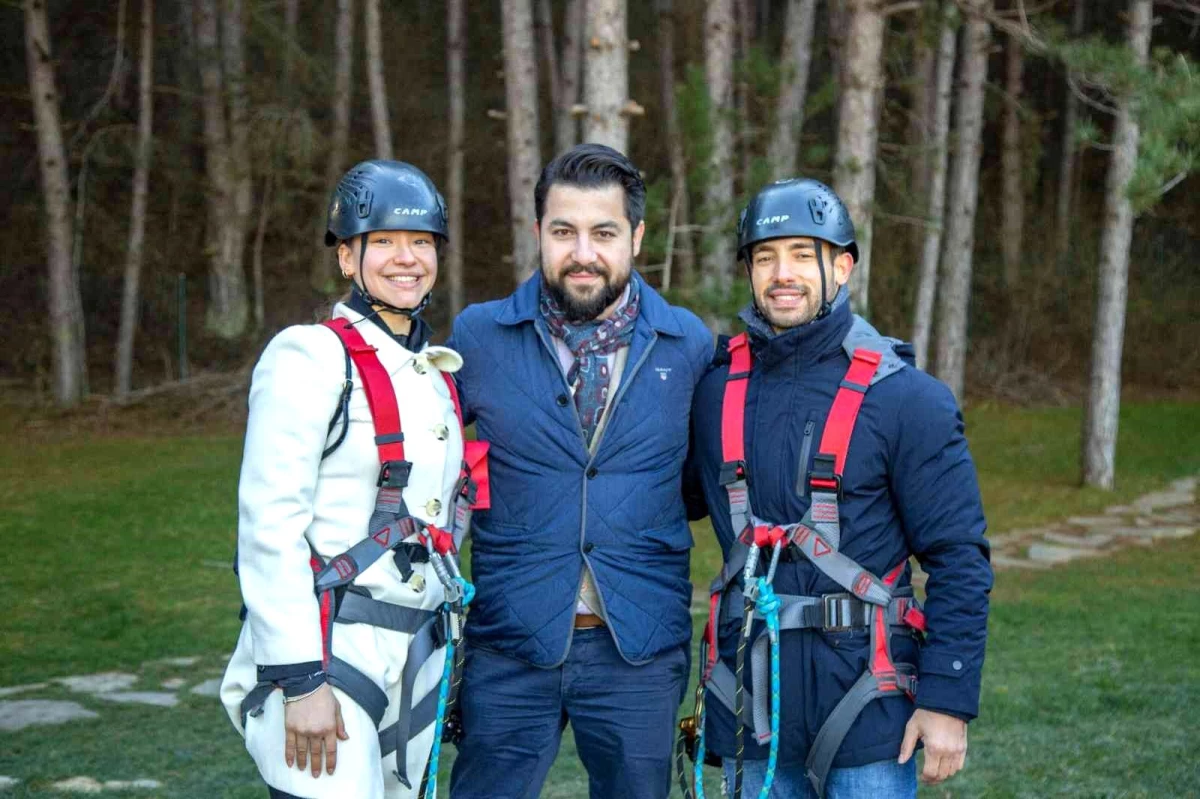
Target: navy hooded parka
910 489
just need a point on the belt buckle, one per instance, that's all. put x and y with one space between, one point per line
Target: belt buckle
832 611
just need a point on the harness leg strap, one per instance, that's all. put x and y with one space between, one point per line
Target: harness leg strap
833 731
424 644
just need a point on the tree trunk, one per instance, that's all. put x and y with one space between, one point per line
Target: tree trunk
524 158
322 274
227 308
744 13
789 112
379 99
69 356
241 175
291 20
920 123
927 282
858 134
1012 189
683 252
566 124
456 46
955 290
606 75
1104 391
260 237
123 377
544 22
1066 173
718 262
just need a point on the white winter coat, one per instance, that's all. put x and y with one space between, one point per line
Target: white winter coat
291 503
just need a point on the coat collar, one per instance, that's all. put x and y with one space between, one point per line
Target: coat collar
391 353
522 306
808 343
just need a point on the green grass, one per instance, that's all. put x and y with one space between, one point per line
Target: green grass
119 550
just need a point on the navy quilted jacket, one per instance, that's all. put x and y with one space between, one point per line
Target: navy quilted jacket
556 508
910 489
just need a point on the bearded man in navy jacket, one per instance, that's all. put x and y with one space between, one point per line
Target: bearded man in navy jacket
582 381
856 698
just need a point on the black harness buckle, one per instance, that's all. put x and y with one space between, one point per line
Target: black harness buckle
731 472
838 610
394 474
822 476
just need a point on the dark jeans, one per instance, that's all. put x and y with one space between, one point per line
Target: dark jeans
623 717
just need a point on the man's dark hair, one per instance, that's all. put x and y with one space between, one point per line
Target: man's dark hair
592 166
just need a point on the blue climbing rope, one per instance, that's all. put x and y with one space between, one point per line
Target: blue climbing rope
468 593
699 765
768 605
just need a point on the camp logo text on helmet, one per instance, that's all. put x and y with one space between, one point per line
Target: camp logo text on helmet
773 220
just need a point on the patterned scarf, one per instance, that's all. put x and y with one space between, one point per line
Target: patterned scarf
589 375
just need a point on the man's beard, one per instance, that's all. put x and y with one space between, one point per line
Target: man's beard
791 318
585 309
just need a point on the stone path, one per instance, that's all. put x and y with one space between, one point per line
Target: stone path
1171 513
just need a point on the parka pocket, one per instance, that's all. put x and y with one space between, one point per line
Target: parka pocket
806 445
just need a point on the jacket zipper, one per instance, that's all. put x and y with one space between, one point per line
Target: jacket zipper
805 450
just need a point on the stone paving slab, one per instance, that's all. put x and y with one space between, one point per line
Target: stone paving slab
20 689
1087 540
1008 562
156 698
91 785
1054 553
19 714
208 687
99 683
7 782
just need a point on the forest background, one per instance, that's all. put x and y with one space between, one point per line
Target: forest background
983 147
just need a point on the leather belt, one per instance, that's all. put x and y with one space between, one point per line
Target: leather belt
586 621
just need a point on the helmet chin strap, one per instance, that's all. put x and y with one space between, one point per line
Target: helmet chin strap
825 304
361 284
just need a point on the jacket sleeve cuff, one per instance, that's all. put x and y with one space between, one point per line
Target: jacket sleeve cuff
948 683
287 673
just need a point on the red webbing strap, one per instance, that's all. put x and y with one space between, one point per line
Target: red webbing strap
733 409
450 384
710 634
882 666
381 395
840 424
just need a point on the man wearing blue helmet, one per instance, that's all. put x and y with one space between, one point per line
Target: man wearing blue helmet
353 471
826 460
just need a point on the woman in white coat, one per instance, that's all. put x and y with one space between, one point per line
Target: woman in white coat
335 694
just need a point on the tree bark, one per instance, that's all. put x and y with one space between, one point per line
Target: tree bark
744 13
69 355
789 112
958 246
606 75
130 295
566 124
456 45
1012 190
683 253
379 99
938 155
1104 391
1066 173
524 159
544 22
322 274
241 175
858 134
291 20
718 262
920 124
226 313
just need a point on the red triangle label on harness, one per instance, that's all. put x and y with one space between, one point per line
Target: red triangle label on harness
820 548
383 536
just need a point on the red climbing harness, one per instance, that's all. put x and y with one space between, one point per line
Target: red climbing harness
869 602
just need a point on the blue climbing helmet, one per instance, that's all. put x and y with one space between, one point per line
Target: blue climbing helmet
797 207
385 195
